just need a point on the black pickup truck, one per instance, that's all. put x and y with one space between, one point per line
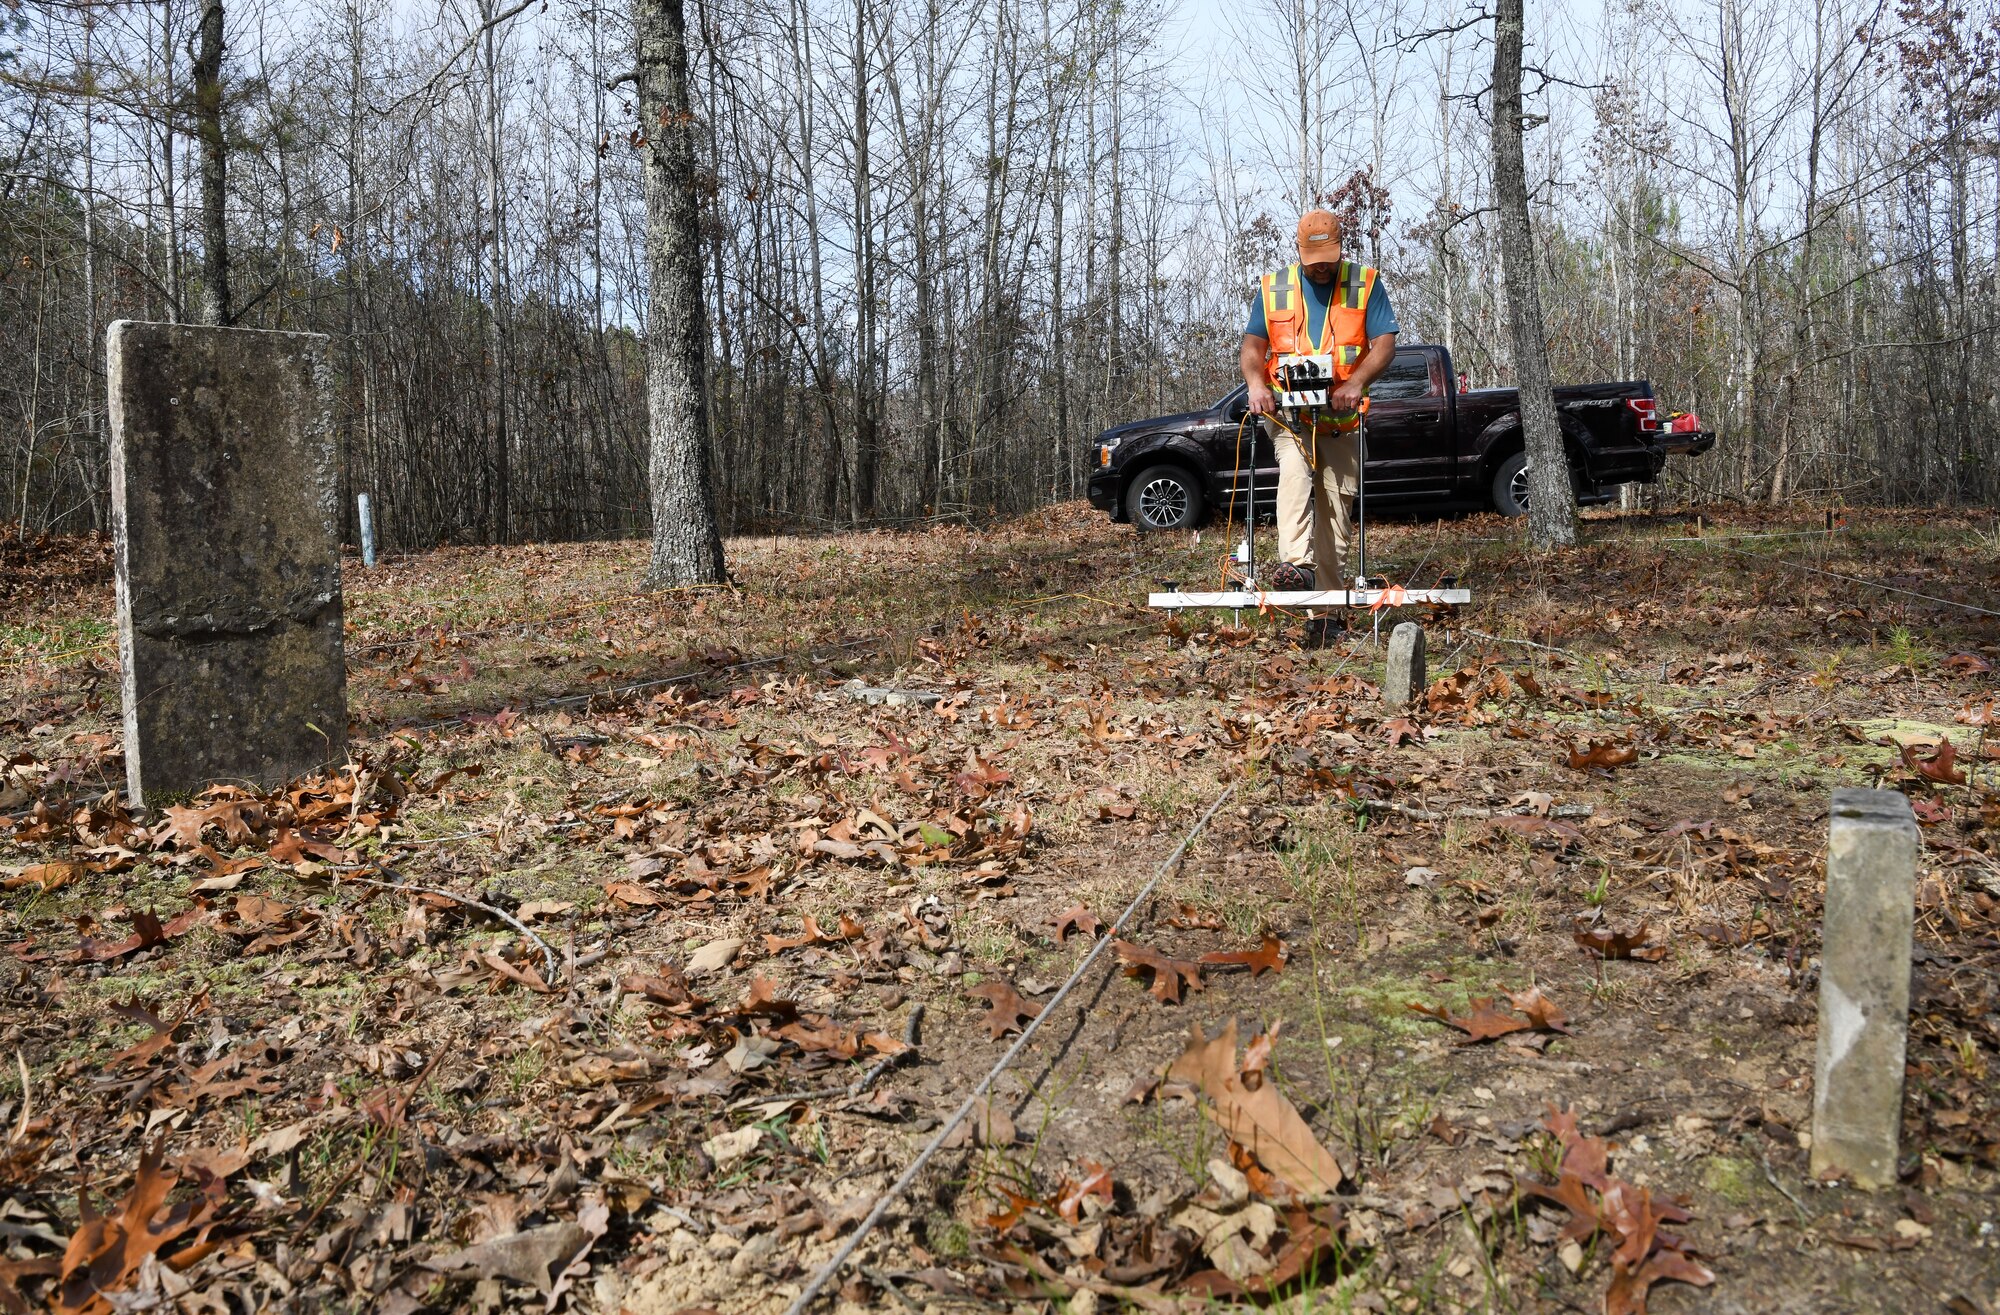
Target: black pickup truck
1430 447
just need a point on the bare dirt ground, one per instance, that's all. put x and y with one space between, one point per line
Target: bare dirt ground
264 1051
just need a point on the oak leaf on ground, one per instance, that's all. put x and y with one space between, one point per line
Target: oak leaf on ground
1092 1181
1484 1023
1544 1013
1608 944
1605 756
1191 918
1170 975
1628 1216
1266 958
1075 918
763 1001
1262 1121
814 934
633 895
1941 766
107 1250
1007 1011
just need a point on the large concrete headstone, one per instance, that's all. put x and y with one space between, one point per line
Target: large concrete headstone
1864 985
1405 676
225 511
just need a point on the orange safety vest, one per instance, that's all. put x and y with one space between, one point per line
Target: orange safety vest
1344 336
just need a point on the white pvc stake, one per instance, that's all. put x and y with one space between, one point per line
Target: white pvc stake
367 531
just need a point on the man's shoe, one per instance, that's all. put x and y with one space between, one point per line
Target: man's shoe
1293 578
1326 631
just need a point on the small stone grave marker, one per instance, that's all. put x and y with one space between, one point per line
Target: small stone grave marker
224 517
1405 676
1864 986
894 698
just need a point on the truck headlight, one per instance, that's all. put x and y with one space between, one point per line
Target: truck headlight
1104 451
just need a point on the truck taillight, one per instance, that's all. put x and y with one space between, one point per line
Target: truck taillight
1642 407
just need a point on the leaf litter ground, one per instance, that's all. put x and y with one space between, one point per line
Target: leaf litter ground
633 956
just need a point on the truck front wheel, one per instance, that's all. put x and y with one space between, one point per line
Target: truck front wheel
1510 485
1164 498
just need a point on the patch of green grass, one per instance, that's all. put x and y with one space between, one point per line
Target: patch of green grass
522 1068
1729 1177
52 635
1907 651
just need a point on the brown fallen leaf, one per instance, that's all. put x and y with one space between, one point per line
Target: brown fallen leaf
1941 766
1484 1023
1608 944
763 1001
299 850
1267 958
632 895
1006 1011
1075 918
1627 1293
668 987
142 1053
814 934
1169 975
48 876
1644 1255
538 1258
147 931
1604 756
1532 827
526 973
1191 918
1261 1120
1544 1013
107 1250
1017 1206
821 1036
1401 730
1092 1180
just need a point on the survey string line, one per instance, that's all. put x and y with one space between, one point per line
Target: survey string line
909 1175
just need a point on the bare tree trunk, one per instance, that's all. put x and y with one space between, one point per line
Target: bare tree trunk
861 504
94 387
496 264
215 304
1551 500
687 545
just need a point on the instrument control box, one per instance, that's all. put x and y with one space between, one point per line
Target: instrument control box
1304 382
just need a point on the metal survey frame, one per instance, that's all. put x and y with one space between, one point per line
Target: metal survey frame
1392 596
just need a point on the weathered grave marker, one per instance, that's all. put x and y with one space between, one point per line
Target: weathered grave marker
1405 678
224 513
1864 985
367 530
895 698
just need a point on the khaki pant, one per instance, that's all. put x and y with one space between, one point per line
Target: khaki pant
1316 508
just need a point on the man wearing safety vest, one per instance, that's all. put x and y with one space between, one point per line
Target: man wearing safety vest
1323 305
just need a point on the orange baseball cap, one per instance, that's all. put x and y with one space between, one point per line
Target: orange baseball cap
1319 237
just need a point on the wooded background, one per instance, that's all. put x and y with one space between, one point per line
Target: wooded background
948 242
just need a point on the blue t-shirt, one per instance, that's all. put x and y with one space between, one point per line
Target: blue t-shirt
1381 315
